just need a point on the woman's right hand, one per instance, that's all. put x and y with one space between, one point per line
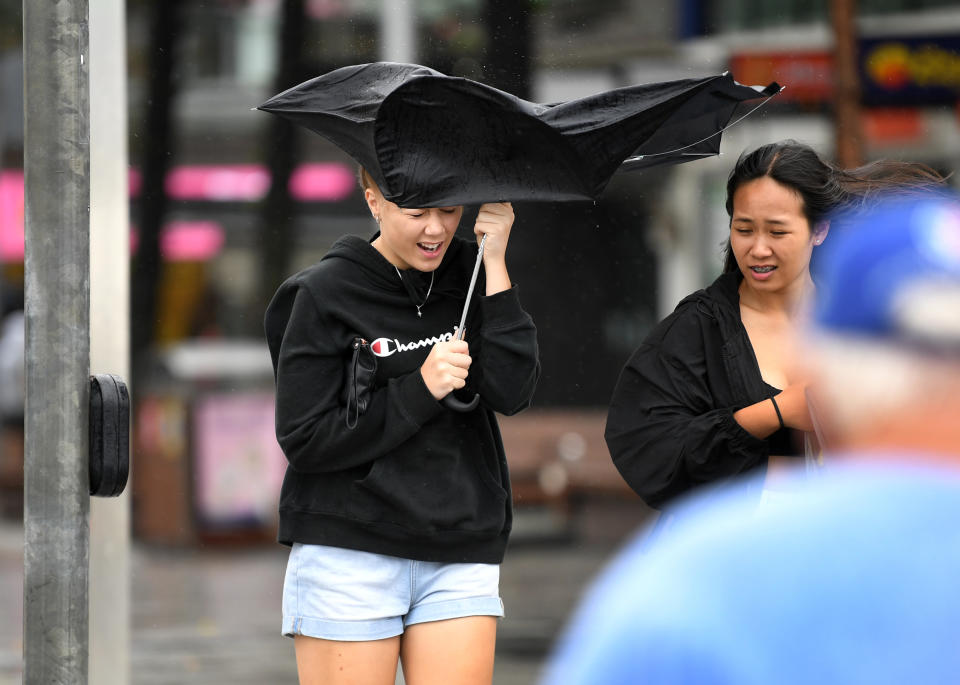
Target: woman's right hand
446 367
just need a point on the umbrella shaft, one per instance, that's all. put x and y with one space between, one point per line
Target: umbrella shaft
458 334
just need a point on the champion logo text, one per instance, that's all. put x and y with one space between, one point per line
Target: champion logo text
384 347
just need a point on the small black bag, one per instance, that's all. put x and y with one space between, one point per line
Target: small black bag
358 380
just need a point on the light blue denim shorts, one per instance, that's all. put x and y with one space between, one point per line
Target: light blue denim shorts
343 594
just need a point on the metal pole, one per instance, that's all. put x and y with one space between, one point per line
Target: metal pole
109 330
507 54
849 134
56 478
398 39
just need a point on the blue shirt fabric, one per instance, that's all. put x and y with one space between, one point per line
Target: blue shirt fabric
854 578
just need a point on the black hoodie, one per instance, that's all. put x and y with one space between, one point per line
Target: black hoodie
412 479
670 426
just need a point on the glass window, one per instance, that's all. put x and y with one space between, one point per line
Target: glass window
738 15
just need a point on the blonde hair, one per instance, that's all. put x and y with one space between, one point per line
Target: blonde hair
365 179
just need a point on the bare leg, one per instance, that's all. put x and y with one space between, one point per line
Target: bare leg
454 652
331 662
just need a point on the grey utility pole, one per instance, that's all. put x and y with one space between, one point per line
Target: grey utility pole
56 477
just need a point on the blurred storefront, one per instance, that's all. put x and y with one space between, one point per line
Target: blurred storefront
595 277
906 52
208 465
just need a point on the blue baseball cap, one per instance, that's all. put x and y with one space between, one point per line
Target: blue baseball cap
892 272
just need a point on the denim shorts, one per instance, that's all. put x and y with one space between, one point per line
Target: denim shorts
343 594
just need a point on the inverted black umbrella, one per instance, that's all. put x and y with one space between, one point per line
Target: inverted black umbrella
431 140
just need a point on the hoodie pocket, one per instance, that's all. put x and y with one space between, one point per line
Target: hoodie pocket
425 488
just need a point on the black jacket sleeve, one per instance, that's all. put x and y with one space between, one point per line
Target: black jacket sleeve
664 429
309 368
506 364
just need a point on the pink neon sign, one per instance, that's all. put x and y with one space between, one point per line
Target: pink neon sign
11 215
315 182
312 182
186 241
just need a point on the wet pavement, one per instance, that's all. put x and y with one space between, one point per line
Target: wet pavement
211 615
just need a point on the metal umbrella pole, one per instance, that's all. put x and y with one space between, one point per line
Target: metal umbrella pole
450 401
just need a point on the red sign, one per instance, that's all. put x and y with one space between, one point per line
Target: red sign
806 76
893 125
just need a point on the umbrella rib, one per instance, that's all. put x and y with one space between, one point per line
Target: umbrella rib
712 135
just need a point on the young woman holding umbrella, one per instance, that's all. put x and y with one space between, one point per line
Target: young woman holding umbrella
397 501
397 508
712 391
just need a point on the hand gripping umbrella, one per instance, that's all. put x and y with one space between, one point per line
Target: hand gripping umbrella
431 140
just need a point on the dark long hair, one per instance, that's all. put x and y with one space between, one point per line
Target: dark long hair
823 187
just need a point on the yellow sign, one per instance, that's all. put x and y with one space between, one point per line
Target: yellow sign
896 65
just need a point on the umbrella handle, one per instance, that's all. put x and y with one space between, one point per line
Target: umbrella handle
451 402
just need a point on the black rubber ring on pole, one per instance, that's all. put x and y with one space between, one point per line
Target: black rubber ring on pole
109 449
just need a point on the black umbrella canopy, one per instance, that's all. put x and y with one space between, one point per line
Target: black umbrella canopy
431 140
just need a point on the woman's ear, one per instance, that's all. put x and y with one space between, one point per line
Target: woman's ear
820 232
373 203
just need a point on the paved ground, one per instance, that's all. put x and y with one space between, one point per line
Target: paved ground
210 616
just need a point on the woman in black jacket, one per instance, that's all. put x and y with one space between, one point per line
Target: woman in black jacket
712 391
396 507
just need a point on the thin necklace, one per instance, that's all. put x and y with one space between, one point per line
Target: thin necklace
429 290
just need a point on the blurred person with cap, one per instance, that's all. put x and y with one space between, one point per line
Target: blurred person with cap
853 580
12 384
12 397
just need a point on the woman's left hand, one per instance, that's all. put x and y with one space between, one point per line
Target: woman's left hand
494 220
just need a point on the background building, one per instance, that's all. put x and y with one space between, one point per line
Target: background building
226 201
